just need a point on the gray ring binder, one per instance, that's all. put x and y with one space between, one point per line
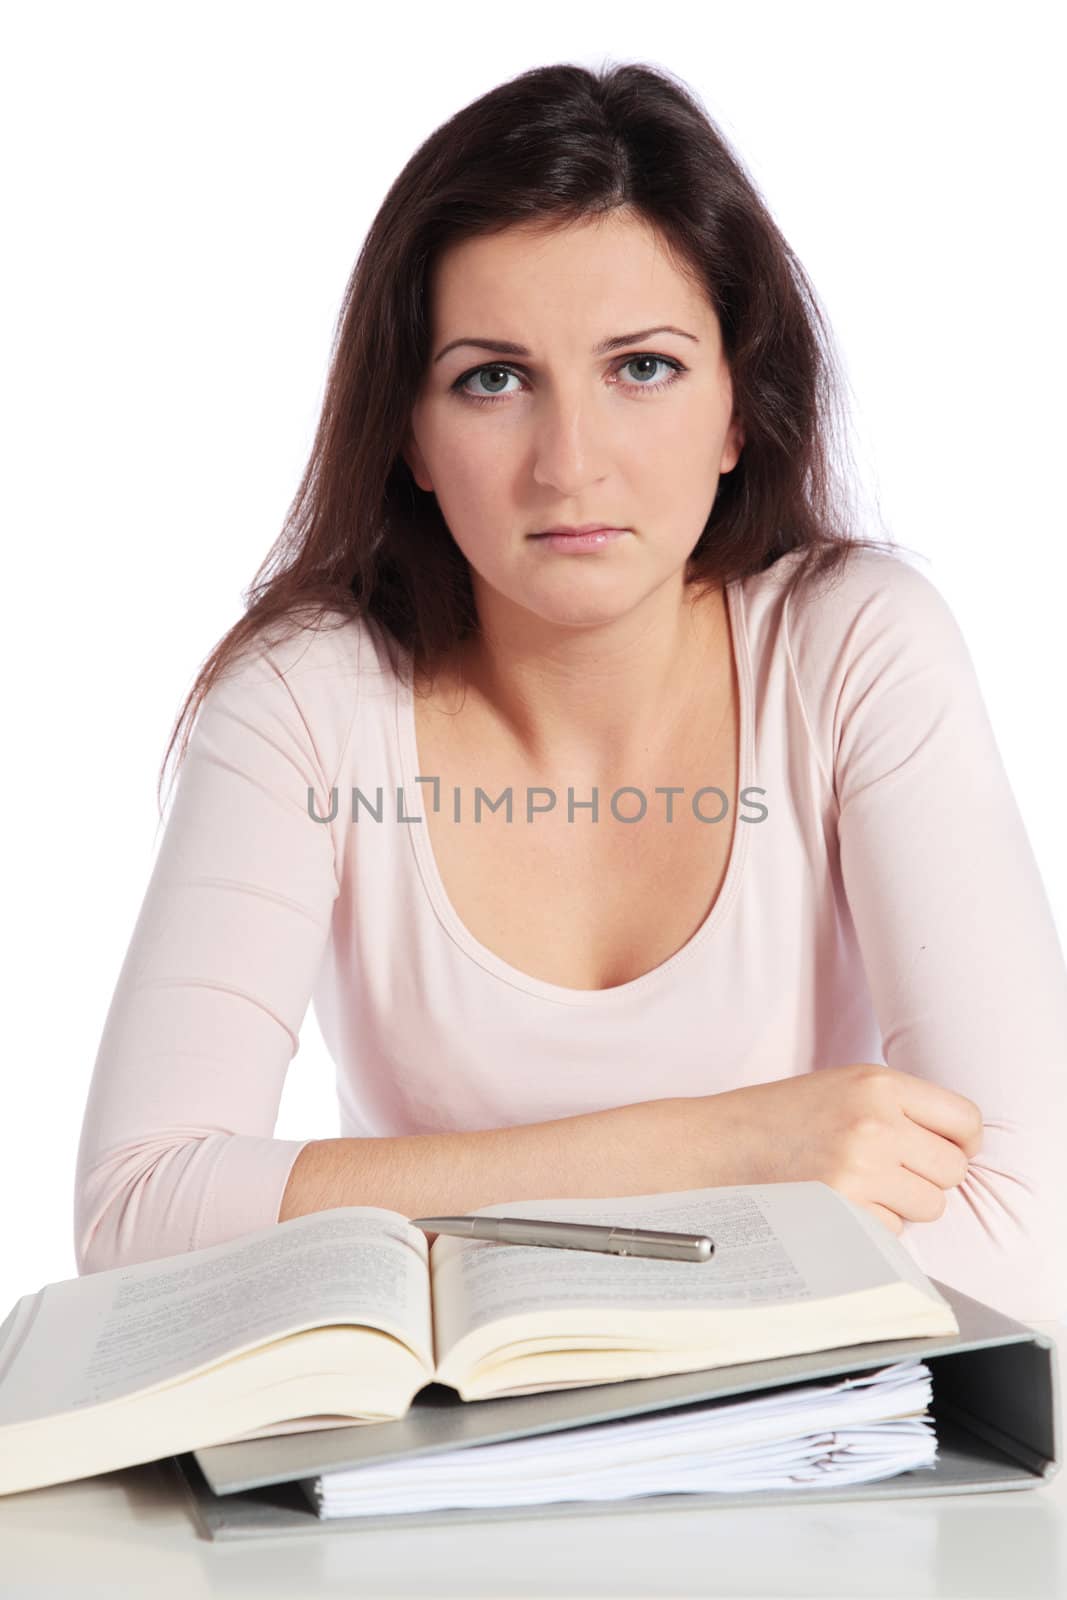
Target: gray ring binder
996 1406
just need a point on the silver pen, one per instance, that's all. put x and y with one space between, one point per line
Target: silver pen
575 1236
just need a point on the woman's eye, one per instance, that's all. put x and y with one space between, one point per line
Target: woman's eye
498 374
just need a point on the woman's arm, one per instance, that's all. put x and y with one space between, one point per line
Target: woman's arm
648 1148
176 1149
959 945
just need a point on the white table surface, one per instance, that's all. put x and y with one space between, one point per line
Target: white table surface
131 1533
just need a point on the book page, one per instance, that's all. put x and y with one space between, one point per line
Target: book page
774 1243
95 1338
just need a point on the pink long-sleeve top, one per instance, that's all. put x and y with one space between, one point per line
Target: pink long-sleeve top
888 908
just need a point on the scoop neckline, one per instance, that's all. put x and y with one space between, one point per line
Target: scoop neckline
618 994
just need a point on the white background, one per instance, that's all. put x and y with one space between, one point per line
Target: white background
185 191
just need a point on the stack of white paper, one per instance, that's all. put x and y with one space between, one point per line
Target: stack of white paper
849 1430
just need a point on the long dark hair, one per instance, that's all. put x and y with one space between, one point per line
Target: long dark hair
553 145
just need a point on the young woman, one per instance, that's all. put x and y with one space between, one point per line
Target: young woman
652 859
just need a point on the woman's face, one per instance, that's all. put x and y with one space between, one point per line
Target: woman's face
633 438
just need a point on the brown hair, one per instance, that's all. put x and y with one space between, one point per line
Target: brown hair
552 146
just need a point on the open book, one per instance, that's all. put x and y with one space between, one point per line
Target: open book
342 1316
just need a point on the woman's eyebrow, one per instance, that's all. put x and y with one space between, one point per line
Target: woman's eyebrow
508 348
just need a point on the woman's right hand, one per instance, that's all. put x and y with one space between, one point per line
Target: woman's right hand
887 1140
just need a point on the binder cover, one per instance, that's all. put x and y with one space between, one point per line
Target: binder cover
995 1405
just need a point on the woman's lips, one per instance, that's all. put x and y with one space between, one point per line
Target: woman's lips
580 527
597 539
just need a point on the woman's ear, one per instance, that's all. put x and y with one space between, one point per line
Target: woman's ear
732 446
413 456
